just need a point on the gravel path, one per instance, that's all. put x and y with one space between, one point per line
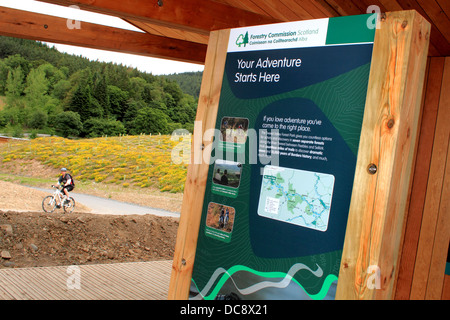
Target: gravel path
108 206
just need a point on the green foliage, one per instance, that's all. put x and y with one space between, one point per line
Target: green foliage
96 127
150 120
116 101
67 123
15 83
69 95
37 119
189 82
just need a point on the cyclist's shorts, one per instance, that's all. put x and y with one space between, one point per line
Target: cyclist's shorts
68 188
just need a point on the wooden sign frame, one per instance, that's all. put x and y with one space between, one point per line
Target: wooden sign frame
382 184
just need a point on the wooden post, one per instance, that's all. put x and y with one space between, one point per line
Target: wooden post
191 210
375 228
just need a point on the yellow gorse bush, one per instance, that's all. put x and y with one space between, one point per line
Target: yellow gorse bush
142 161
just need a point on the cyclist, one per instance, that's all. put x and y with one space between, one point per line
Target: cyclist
66 181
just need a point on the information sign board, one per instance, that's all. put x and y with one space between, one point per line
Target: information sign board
283 160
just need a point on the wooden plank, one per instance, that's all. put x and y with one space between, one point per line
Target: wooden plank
326 8
441 239
420 180
130 281
170 32
388 140
113 282
315 10
434 190
190 15
279 10
194 190
391 5
27 25
446 288
10 289
20 277
120 280
437 16
436 39
445 6
249 5
344 8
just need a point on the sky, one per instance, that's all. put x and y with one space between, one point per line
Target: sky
145 64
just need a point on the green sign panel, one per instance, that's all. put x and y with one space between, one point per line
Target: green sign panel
283 160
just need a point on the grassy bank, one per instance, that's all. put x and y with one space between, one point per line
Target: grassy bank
128 161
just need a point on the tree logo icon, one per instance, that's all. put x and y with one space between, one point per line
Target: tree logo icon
242 40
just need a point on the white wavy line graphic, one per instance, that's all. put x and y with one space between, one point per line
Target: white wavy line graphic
260 285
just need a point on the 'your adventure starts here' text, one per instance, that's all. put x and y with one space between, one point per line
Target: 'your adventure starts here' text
263 76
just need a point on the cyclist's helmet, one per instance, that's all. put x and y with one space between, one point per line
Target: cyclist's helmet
63 169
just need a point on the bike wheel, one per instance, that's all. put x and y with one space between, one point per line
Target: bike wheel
70 206
49 204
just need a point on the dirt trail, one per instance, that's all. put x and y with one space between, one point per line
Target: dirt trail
32 238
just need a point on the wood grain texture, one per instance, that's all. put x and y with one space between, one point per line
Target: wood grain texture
434 216
191 210
420 180
114 281
191 15
29 25
388 140
193 20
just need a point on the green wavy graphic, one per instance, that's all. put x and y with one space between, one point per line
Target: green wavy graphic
227 274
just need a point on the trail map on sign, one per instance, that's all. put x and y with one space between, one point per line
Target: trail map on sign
295 196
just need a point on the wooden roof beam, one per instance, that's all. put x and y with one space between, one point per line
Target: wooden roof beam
34 26
170 32
191 15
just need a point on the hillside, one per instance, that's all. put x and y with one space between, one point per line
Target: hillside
45 91
190 82
126 161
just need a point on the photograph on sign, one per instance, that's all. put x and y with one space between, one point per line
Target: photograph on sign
219 221
233 134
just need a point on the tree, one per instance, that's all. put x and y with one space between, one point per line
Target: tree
95 127
81 99
61 89
4 70
137 87
67 123
16 61
150 120
14 83
99 91
37 119
36 91
40 83
117 99
52 74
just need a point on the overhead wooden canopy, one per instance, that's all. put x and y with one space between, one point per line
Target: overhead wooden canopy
179 30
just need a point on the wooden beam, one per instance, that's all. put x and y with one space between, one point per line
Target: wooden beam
194 191
192 15
388 140
28 25
167 32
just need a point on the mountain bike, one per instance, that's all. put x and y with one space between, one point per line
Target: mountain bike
55 201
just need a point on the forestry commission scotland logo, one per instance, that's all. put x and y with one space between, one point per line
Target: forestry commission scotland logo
242 40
